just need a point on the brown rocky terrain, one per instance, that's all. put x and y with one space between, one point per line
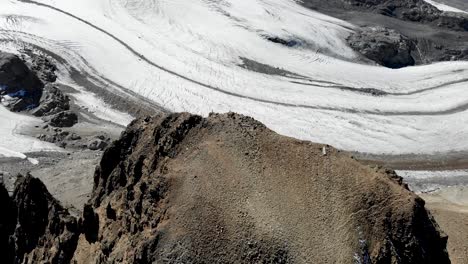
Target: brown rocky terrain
180 188
35 228
450 209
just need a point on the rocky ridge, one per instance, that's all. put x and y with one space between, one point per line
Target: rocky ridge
31 88
36 228
180 188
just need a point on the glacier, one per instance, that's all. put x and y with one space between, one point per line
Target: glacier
188 56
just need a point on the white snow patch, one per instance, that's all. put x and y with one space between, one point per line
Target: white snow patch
100 109
33 161
444 7
12 143
420 175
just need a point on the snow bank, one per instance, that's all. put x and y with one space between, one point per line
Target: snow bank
15 145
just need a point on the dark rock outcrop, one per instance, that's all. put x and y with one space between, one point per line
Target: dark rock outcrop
52 102
20 88
39 229
384 46
7 226
62 119
43 67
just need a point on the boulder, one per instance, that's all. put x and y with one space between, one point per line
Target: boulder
97 144
384 46
52 102
62 119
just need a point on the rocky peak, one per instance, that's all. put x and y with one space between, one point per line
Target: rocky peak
182 188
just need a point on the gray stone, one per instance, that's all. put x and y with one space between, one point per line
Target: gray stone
385 46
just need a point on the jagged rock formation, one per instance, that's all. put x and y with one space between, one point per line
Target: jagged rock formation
52 102
38 229
7 225
42 66
180 188
20 89
384 46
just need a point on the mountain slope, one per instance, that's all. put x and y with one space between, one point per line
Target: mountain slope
181 188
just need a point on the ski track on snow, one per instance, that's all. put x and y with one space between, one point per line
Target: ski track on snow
185 56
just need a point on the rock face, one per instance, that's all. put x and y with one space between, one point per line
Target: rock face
180 188
39 229
43 67
52 102
384 46
7 225
20 88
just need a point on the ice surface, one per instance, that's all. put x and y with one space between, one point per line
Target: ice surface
185 56
430 181
412 174
13 144
444 7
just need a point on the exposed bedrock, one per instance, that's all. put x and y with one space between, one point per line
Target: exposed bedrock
180 188
38 229
52 102
384 46
42 66
62 119
20 88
